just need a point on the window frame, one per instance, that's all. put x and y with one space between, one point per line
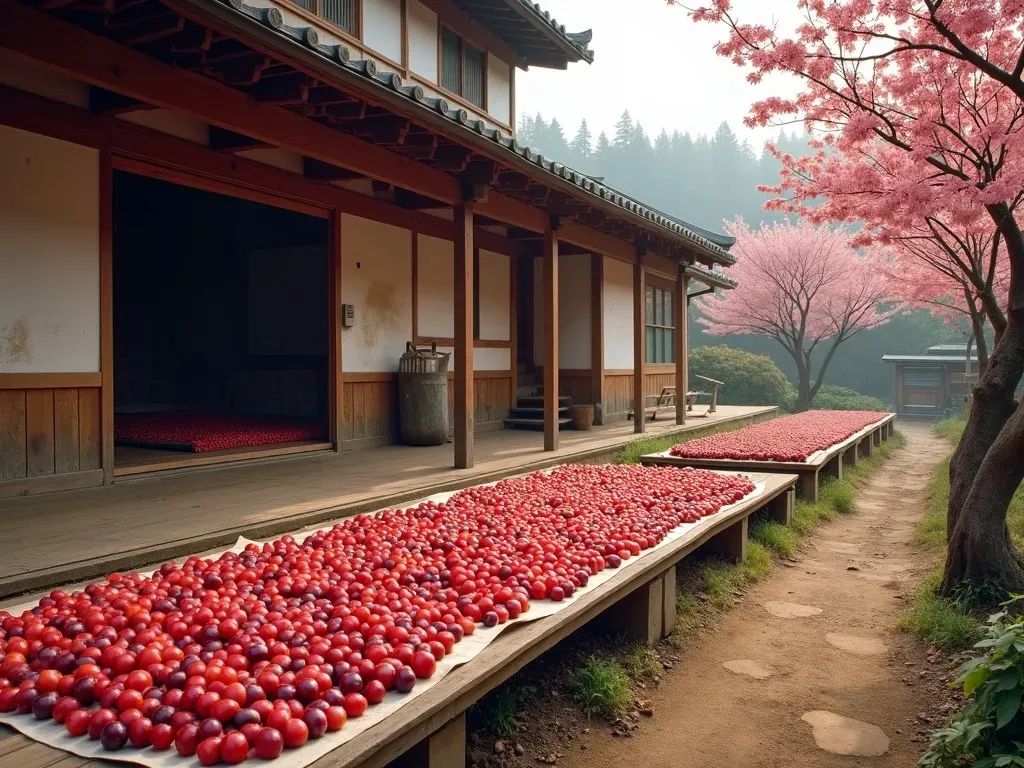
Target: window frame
662 297
460 97
355 36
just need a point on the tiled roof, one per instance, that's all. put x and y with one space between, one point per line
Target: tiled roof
339 55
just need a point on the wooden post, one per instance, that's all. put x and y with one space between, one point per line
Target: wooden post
463 335
731 543
834 467
876 436
639 353
550 270
807 488
106 248
444 748
335 376
781 508
597 336
680 350
850 455
644 614
867 446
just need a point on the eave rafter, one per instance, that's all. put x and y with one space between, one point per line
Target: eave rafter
169 33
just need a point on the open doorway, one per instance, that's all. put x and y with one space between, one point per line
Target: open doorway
221 336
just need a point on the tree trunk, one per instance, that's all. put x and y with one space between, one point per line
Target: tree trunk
803 383
980 550
978 545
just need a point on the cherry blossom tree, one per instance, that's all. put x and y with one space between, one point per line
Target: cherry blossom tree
955 273
919 106
805 287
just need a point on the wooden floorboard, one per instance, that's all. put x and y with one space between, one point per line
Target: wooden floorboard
58 538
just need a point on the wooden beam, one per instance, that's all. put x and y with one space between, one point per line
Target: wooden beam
597 335
681 352
639 337
29 112
550 338
463 215
99 61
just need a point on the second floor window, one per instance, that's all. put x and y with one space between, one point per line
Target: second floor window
463 68
340 13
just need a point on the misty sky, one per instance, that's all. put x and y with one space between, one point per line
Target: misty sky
651 59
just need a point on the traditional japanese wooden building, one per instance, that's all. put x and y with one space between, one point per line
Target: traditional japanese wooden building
931 385
221 222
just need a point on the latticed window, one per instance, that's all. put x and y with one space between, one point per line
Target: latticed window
660 326
463 68
341 13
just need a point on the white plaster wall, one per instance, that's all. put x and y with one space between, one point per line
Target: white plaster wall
488 359
574 311
32 78
618 314
49 255
499 89
376 276
422 41
435 292
382 27
495 295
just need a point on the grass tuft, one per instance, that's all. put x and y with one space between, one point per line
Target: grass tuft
839 494
938 621
497 712
780 539
640 663
601 686
951 428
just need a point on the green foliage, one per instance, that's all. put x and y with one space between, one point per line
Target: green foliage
749 379
832 398
989 731
778 538
497 712
951 428
938 621
601 686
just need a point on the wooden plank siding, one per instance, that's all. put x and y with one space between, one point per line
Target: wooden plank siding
618 387
577 385
371 403
49 432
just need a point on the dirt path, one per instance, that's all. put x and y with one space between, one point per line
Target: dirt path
807 670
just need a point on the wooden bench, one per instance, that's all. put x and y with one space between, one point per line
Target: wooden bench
665 401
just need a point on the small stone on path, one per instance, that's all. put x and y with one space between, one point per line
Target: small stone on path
749 668
791 610
861 646
844 735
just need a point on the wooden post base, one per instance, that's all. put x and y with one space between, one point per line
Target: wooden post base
807 487
731 543
867 446
445 748
834 467
850 455
782 507
876 436
648 613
